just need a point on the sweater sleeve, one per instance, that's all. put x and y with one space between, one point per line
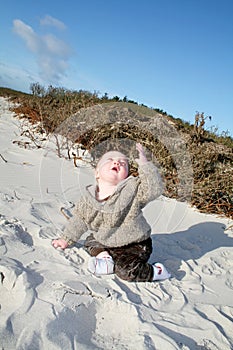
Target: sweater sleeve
76 225
150 183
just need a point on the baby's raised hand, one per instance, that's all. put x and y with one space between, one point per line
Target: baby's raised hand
59 243
142 157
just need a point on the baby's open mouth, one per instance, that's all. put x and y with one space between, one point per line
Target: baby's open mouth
115 169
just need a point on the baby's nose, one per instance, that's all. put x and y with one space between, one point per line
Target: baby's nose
116 162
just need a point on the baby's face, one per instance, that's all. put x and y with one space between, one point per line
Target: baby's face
112 167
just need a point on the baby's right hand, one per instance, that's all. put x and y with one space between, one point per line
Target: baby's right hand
59 243
142 156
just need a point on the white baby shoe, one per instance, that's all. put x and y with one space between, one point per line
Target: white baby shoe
102 264
160 272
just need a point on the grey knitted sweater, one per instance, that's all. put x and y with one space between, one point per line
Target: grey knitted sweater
119 220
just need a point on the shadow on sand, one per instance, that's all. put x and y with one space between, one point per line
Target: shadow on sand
190 244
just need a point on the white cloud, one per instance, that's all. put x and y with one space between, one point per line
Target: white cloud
55 46
53 22
27 34
52 54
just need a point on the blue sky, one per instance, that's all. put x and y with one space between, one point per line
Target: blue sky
176 55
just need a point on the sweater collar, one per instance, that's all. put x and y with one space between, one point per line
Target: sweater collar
91 189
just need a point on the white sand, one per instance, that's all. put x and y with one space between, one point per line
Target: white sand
49 300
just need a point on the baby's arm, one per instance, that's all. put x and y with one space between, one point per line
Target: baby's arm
151 185
142 157
74 229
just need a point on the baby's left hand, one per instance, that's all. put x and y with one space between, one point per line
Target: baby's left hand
142 157
59 243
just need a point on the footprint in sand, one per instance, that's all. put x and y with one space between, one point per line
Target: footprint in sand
16 230
6 197
9 271
73 255
48 233
218 265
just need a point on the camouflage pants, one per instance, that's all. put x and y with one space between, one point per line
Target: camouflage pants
130 261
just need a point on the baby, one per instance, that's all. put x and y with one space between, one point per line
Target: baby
120 237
